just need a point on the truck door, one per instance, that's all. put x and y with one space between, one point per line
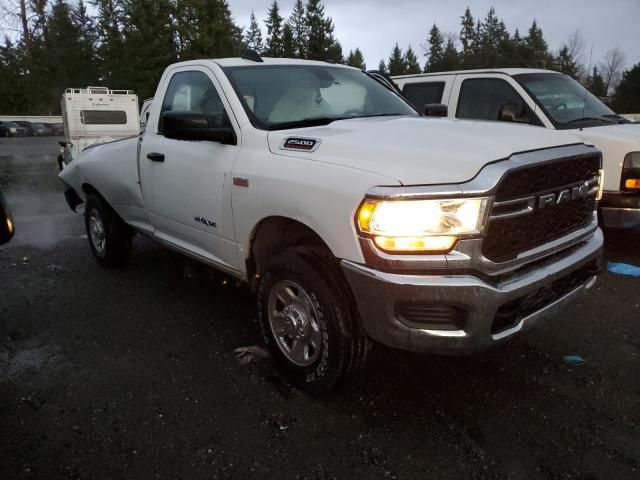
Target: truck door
185 184
489 96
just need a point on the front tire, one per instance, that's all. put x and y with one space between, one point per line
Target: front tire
308 319
110 239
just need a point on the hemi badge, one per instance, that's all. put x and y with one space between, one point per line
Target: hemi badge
241 182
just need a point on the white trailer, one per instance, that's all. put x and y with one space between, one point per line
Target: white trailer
97 115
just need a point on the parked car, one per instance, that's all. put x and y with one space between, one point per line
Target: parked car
28 126
12 129
546 99
351 216
41 129
57 129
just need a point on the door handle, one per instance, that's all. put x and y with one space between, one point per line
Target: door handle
155 157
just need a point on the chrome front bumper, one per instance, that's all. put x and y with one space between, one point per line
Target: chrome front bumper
379 293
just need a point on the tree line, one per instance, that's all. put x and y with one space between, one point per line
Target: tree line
128 43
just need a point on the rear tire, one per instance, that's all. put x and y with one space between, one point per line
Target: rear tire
308 319
110 239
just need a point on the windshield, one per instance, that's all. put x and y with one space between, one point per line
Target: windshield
289 96
563 100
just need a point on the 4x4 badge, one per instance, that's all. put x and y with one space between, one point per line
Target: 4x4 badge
205 221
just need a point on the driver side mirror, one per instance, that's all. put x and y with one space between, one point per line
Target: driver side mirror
435 110
6 222
513 112
195 126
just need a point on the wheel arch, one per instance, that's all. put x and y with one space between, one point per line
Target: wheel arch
274 234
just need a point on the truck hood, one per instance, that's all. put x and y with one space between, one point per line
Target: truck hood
625 133
417 150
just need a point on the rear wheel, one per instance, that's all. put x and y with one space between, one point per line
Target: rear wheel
308 320
110 239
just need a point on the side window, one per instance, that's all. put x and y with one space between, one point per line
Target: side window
194 92
483 99
419 94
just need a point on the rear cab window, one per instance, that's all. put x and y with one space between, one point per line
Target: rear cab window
423 93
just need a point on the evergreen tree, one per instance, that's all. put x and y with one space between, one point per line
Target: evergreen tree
396 64
12 80
595 84
288 42
85 24
274 46
513 51
566 63
207 30
356 59
468 40
319 29
150 34
253 36
536 49
61 60
298 26
627 96
382 67
450 58
411 62
494 41
110 52
334 52
435 53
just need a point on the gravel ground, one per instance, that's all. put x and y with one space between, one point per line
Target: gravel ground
132 374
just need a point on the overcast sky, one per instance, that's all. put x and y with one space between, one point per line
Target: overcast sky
375 25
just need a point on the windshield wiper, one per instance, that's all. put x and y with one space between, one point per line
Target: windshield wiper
308 122
318 121
588 119
617 117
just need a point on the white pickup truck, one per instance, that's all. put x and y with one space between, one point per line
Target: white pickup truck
546 99
351 216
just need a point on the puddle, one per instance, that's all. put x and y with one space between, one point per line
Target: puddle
14 363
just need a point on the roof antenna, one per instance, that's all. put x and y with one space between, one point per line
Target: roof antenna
584 103
252 55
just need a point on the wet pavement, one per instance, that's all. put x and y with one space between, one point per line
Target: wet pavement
132 374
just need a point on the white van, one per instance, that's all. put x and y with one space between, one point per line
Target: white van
546 99
96 115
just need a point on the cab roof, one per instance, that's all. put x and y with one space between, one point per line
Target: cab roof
505 71
242 62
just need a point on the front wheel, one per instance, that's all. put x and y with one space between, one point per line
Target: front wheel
110 239
308 320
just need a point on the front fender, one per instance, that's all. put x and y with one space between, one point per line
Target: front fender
111 169
322 196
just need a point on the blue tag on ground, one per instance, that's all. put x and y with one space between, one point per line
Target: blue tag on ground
624 269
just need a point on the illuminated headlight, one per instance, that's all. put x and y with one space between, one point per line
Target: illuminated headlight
430 226
9 225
